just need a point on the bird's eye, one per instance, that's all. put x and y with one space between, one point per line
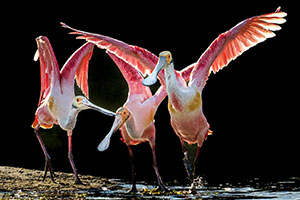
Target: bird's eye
125 115
78 100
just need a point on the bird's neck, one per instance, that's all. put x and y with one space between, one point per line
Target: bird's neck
174 90
132 129
71 120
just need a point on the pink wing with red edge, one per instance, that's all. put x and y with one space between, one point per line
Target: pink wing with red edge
231 44
77 67
132 77
81 74
142 59
48 66
186 72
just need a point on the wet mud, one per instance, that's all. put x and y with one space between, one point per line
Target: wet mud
22 183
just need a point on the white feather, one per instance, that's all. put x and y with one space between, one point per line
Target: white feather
36 55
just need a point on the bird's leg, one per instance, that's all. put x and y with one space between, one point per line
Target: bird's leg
186 162
48 165
70 156
193 187
133 172
161 185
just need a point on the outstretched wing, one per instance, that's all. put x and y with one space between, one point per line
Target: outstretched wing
231 44
133 78
48 66
77 66
142 59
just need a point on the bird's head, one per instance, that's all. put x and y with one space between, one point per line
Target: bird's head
165 60
167 56
82 103
122 115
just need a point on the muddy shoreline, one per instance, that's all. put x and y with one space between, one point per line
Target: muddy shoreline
20 183
20 179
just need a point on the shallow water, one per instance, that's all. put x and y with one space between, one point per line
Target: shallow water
249 189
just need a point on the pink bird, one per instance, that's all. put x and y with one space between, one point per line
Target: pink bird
58 104
185 102
135 118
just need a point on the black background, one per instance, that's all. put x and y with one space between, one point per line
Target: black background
251 105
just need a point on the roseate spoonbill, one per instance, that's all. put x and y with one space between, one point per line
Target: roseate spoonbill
135 118
57 103
185 102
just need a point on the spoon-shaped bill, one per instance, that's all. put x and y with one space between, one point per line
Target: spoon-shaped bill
150 80
118 123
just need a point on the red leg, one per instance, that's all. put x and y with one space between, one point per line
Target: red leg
193 187
196 160
186 162
161 185
48 165
70 156
133 172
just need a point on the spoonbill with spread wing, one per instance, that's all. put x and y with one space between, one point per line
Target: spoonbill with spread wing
185 102
58 104
135 118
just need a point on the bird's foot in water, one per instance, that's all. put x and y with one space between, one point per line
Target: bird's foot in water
197 182
193 189
162 188
133 190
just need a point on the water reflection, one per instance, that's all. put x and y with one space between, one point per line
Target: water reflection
247 189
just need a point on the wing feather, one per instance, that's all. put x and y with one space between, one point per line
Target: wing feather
81 74
77 67
132 77
229 45
49 70
143 60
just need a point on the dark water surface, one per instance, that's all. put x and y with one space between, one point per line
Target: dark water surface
249 189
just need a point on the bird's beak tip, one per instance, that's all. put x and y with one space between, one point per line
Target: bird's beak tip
149 81
102 147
